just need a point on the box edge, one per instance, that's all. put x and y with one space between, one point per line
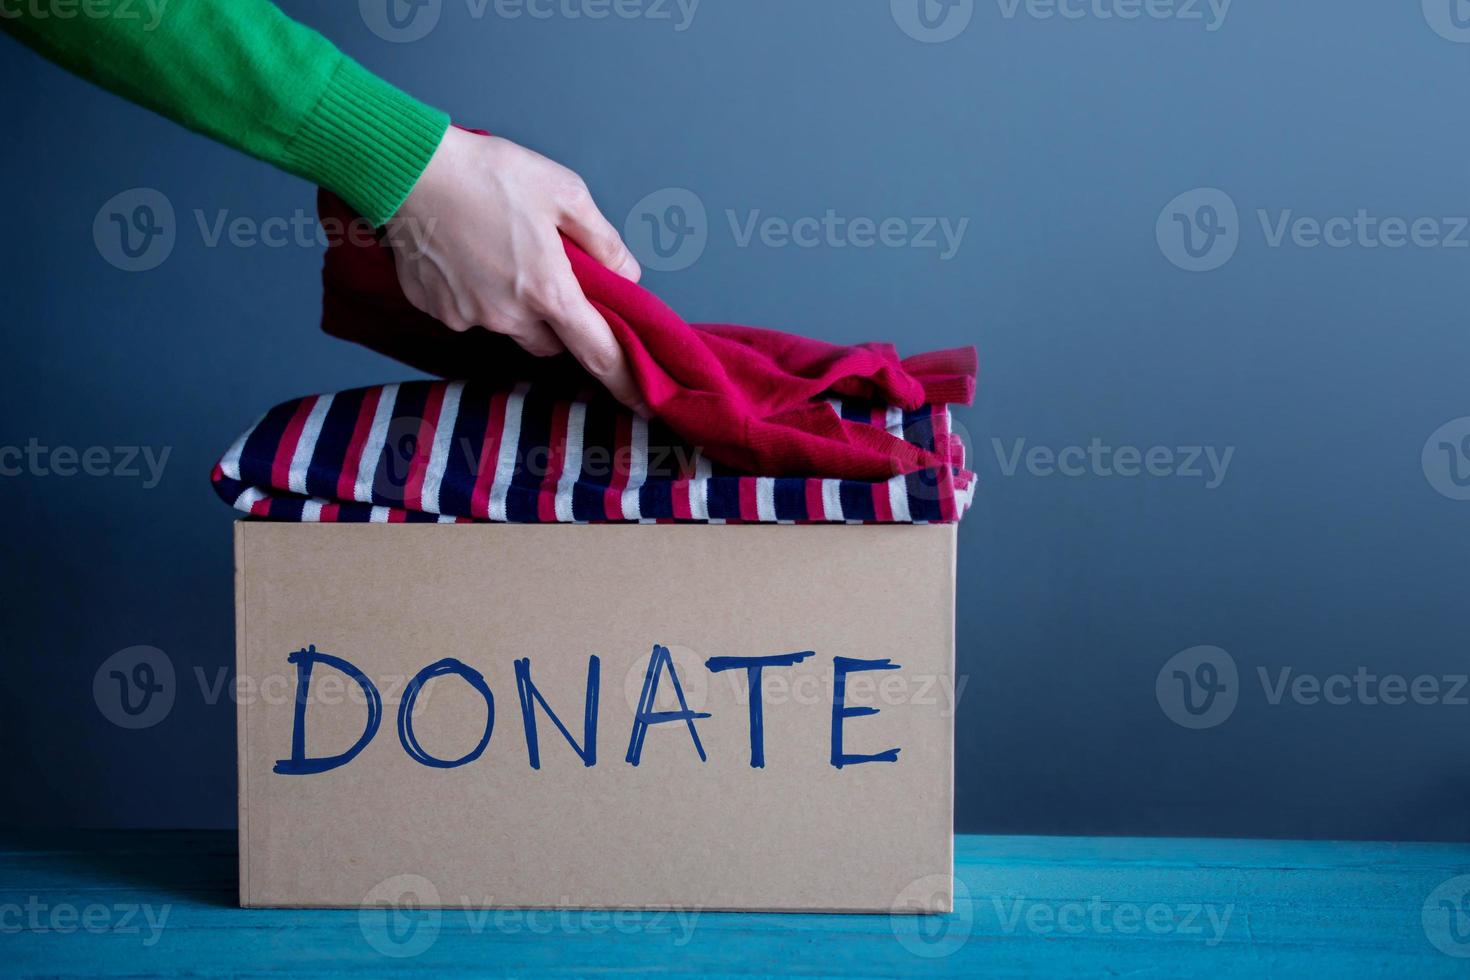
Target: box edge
242 721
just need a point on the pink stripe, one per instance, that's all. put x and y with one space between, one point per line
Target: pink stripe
940 422
681 489
882 506
413 491
681 500
347 480
612 497
814 507
556 459
748 509
489 455
286 448
330 513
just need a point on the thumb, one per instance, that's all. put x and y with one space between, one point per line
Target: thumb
585 225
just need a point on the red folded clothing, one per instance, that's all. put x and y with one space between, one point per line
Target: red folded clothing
746 397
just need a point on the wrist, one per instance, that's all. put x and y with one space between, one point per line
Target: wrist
367 141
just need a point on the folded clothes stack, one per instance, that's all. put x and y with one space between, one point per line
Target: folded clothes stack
749 424
458 451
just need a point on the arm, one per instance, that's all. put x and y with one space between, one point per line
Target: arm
480 230
243 73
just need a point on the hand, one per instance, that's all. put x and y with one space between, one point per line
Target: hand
476 245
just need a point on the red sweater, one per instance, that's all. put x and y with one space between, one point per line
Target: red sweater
747 397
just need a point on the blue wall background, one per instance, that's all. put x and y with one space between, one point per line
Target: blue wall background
1336 543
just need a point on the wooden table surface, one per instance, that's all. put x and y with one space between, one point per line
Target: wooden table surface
121 903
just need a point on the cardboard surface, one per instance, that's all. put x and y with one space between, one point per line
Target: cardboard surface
673 831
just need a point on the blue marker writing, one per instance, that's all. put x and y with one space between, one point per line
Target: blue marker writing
753 667
530 697
842 666
299 764
647 716
405 712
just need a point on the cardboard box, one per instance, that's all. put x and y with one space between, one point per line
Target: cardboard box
843 802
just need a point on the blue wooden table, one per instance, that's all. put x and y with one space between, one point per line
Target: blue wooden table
119 903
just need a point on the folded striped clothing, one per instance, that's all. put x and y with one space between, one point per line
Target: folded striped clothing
460 452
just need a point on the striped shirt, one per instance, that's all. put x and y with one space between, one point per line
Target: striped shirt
453 451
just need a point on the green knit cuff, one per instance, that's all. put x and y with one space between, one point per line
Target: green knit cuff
366 141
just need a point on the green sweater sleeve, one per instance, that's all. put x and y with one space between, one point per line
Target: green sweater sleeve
243 73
